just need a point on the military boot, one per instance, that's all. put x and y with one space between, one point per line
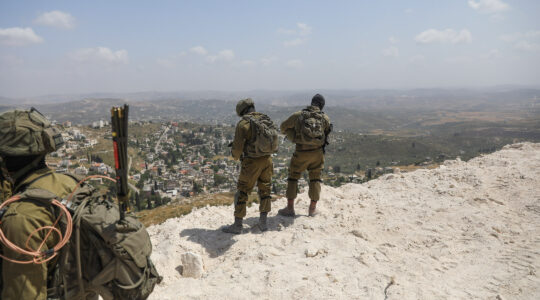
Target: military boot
289 210
235 228
262 221
312 212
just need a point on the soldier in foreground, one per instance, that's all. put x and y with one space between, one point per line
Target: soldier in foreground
25 139
107 254
309 130
255 140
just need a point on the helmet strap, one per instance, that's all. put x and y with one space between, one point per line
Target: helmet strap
247 110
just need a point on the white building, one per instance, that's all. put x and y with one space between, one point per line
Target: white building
99 124
81 171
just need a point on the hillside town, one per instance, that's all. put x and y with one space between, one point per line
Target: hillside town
169 161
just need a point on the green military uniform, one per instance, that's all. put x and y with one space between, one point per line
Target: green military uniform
29 281
305 157
255 170
25 138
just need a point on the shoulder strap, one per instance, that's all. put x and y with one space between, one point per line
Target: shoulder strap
302 115
24 185
249 118
74 177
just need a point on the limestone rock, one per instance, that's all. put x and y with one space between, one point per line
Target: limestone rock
311 252
192 265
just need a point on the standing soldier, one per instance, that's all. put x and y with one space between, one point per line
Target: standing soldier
255 140
308 129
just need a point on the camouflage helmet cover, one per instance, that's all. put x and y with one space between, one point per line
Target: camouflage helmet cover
243 105
27 132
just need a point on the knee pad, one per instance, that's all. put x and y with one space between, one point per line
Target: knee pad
240 198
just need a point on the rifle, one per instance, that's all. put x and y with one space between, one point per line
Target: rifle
119 129
326 143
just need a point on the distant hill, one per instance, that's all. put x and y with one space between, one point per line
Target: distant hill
398 112
363 99
6 108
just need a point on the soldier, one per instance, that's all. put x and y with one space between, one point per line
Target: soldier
255 140
25 139
309 129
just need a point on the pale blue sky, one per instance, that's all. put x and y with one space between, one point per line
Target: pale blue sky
57 47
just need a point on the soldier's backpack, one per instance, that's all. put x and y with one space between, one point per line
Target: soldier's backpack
310 128
103 256
264 137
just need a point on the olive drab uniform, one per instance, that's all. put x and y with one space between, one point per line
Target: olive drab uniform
107 255
309 154
20 220
27 133
254 170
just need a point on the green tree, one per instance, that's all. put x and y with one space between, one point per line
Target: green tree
219 179
157 199
138 202
197 187
149 203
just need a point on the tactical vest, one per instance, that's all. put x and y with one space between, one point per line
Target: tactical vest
264 136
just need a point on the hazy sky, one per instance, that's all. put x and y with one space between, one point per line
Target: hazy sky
51 47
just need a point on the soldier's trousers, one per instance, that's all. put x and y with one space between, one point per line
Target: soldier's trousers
254 171
313 162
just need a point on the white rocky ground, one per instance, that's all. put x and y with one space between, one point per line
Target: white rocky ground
467 230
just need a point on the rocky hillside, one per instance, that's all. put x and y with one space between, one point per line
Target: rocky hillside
467 230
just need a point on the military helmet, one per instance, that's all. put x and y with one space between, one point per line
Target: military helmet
27 132
318 100
243 105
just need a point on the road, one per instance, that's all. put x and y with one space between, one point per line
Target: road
161 138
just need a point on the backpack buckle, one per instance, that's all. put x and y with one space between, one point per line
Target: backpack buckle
66 203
